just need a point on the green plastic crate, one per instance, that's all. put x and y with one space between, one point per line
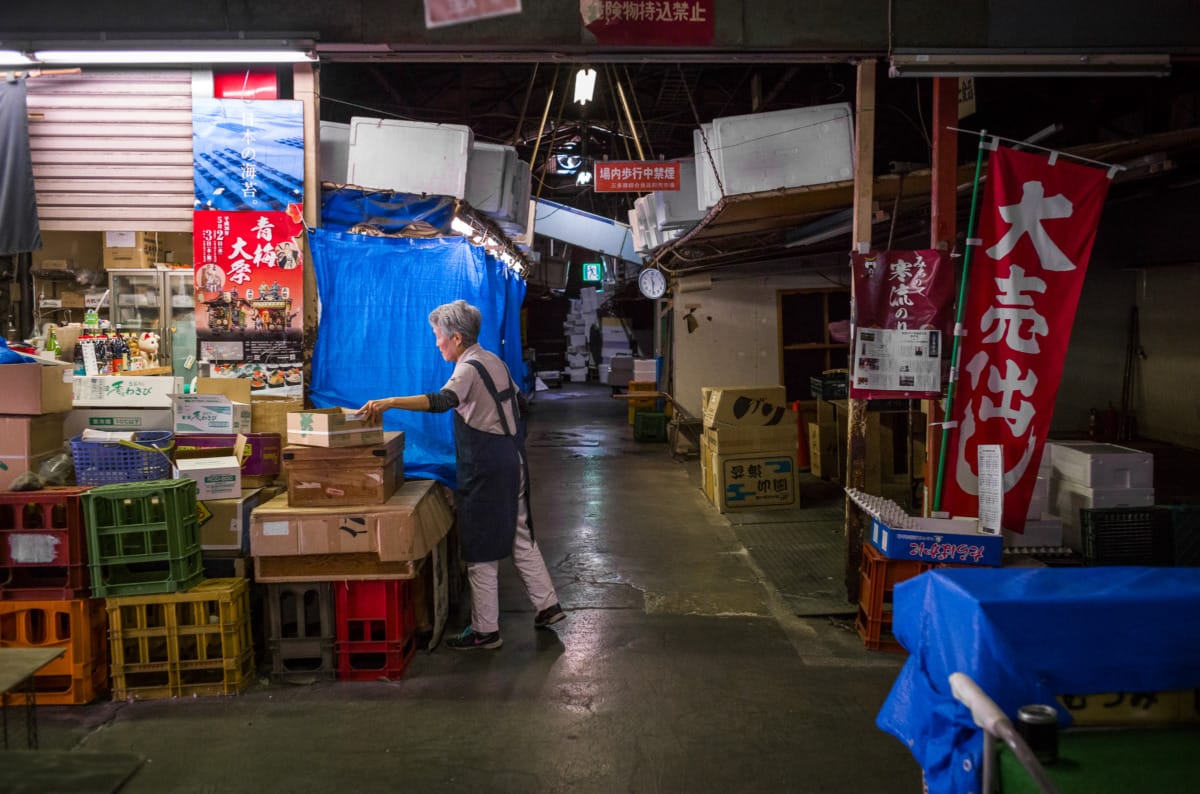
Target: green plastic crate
169 575
650 426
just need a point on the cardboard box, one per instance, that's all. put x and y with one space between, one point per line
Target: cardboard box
126 391
225 523
269 414
130 250
405 528
323 477
706 471
261 454
724 440
823 450
209 413
236 390
956 541
25 436
754 480
1096 465
1043 531
331 427
33 389
117 419
13 467
216 476
54 264
744 405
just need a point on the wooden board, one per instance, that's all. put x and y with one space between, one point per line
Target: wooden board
332 567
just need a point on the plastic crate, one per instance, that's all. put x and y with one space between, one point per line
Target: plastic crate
172 645
78 625
650 426
143 538
376 629
147 457
301 630
876 634
878 576
1185 527
43 549
1126 536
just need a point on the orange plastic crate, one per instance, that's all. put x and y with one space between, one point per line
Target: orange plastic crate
80 626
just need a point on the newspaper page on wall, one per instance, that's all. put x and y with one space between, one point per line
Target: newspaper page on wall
902 363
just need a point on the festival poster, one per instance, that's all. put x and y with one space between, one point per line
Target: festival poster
249 277
1036 228
247 154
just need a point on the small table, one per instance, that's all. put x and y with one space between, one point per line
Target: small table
17 666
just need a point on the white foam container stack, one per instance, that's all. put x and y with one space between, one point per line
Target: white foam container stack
1098 465
785 148
409 156
489 178
679 209
708 192
518 220
335 152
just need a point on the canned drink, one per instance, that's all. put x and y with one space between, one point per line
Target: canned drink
1038 725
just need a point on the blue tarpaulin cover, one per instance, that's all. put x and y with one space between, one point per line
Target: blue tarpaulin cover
374 338
388 211
1026 636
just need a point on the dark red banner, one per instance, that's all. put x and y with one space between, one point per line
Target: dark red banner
636 176
1036 227
680 23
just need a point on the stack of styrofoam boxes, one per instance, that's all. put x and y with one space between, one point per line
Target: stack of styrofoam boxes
409 156
578 327
613 342
1087 474
645 370
1043 528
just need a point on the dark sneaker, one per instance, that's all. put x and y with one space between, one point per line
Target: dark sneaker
471 639
549 615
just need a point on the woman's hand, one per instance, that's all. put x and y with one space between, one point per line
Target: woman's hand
374 409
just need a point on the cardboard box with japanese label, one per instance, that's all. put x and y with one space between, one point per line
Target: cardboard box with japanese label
130 250
126 391
117 419
33 389
957 541
225 523
744 406
218 474
332 427
209 413
754 480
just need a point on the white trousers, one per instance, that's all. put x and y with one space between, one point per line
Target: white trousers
485 576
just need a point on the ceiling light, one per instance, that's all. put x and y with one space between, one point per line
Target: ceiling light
1045 65
171 56
585 82
583 178
14 58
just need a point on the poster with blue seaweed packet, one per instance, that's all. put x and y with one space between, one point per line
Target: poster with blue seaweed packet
248 155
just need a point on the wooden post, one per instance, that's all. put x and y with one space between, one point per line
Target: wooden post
943 229
856 442
306 88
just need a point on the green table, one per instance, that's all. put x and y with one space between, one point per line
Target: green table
1115 761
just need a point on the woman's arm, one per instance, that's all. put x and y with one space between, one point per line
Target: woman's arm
374 409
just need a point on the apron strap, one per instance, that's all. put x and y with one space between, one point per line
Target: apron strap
508 394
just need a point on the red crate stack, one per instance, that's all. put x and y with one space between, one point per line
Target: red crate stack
376 629
43 546
877 576
80 626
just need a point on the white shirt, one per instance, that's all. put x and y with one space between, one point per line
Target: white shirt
475 403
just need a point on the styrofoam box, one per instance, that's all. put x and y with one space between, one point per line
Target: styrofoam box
1102 465
708 192
335 151
674 209
784 148
1045 530
489 178
409 156
1068 497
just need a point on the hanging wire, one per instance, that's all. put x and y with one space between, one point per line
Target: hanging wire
1026 144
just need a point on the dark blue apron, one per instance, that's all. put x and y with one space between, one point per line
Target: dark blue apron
489 479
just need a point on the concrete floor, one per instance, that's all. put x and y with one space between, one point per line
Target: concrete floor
680 669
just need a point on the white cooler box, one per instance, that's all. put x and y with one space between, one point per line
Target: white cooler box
1098 465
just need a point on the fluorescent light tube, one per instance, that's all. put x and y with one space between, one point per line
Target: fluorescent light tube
171 56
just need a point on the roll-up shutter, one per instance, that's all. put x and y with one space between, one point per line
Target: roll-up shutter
112 150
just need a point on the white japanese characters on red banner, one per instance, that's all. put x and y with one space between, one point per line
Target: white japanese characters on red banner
636 176
1037 226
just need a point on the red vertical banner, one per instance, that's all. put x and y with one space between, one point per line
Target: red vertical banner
1036 228
249 277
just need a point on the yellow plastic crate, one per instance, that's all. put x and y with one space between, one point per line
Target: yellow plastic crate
185 679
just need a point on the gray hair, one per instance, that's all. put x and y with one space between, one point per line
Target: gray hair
458 317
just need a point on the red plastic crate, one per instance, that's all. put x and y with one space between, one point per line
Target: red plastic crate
43 547
878 576
876 634
79 625
376 629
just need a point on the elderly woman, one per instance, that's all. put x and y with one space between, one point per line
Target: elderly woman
493 475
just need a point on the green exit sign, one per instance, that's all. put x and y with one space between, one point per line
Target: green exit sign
593 271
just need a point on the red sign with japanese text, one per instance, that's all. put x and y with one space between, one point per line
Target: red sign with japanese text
636 176
908 291
648 22
249 278
439 13
1036 227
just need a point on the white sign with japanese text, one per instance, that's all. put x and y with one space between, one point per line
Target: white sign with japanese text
899 361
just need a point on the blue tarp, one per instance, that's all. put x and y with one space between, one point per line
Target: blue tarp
374 338
390 212
1026 636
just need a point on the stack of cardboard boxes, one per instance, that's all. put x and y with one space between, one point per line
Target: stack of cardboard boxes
36 401
748 448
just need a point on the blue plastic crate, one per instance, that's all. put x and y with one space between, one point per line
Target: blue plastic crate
147 457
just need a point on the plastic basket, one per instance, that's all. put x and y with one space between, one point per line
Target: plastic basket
147 457
1127 536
